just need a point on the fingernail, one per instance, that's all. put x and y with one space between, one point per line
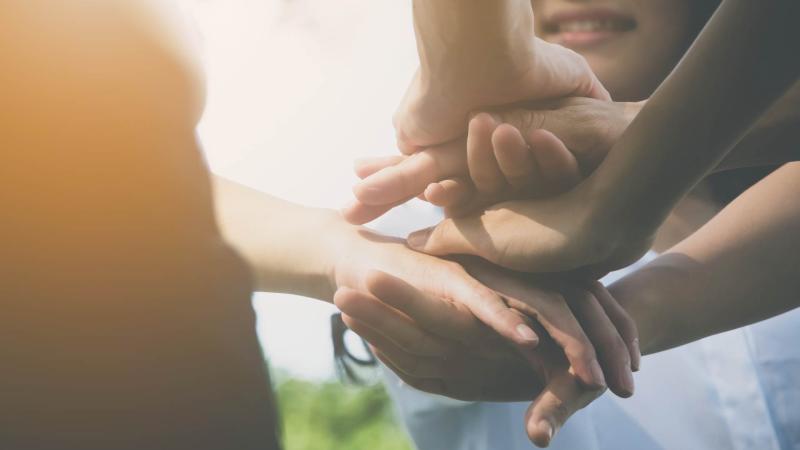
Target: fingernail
597 374
417 239
367 192
637 355
526 333
547 429
626 382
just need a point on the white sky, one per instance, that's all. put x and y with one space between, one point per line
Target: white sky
297 89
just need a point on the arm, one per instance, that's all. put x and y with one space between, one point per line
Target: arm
742 62
460 371
610 219
738 269
314 252
514 164
481 54
287 245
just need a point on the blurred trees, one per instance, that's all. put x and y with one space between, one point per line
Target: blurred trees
333 416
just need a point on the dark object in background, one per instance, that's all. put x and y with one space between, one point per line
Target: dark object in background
347 364
725 186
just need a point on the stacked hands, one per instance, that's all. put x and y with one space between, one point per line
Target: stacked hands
515 184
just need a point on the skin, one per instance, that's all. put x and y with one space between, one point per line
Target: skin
548 151
610 219
147 119
663 31
726 246
291 256
702 286
461 70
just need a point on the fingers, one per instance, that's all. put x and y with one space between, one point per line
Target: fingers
483 166
514 158
429 385
490 308
622 322
447 319
392 325
405 144
410 364
451 322
358 213
520 153
551 311
558 168
562 397
410 176
471 379
449 193
365 167
481 301
435 315
612 352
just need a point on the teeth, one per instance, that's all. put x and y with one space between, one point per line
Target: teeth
578 26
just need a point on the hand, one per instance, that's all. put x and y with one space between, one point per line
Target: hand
463 70
395 312
358 252
471 302
568 232
508 155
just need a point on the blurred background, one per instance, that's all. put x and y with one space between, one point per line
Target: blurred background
296 90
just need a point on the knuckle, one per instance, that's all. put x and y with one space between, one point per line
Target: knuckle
560 412
527 120
375 279
438 234
343 301
581 350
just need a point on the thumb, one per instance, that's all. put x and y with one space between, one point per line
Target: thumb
576 74
561 398
466 235
559 169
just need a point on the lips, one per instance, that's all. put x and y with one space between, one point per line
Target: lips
586 27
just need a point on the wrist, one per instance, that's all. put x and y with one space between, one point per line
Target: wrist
304 263
652 294
617 212
452 37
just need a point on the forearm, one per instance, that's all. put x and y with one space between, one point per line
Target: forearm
285 244
738 269
742 62
453 33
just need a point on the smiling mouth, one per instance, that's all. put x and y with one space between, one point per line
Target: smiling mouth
581 29
590 25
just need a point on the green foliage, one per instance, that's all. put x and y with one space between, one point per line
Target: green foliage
332 416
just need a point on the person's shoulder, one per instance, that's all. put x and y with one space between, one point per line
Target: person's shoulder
139 47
